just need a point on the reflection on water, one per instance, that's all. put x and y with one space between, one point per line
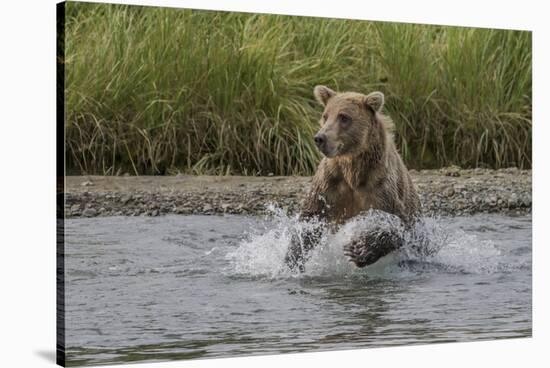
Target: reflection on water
185 287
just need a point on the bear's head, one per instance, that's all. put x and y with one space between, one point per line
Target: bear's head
349 124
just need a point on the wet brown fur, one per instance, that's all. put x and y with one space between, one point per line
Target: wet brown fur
369 173
361 170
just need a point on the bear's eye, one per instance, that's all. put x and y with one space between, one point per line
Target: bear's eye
344 119
325 117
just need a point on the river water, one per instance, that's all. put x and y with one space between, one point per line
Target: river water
184 287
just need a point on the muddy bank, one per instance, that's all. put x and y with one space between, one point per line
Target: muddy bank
443 192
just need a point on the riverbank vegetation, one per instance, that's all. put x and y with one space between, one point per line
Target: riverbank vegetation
160 90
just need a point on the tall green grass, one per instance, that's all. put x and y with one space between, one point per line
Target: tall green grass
158 90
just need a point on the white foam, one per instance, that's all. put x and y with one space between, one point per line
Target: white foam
262 254
467 253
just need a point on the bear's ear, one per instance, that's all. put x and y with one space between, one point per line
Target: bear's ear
375 101
323 94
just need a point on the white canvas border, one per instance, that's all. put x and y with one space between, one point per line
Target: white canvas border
28 181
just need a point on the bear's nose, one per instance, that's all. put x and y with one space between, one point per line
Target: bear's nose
320 139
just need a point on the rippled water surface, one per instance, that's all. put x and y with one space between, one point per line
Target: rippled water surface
182 287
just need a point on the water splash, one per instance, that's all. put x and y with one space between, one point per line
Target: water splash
428 247
466 253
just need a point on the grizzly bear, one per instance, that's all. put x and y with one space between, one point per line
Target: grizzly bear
361 170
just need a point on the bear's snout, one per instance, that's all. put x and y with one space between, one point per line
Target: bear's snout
320 139
327 144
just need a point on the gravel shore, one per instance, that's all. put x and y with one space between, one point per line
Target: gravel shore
449 191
